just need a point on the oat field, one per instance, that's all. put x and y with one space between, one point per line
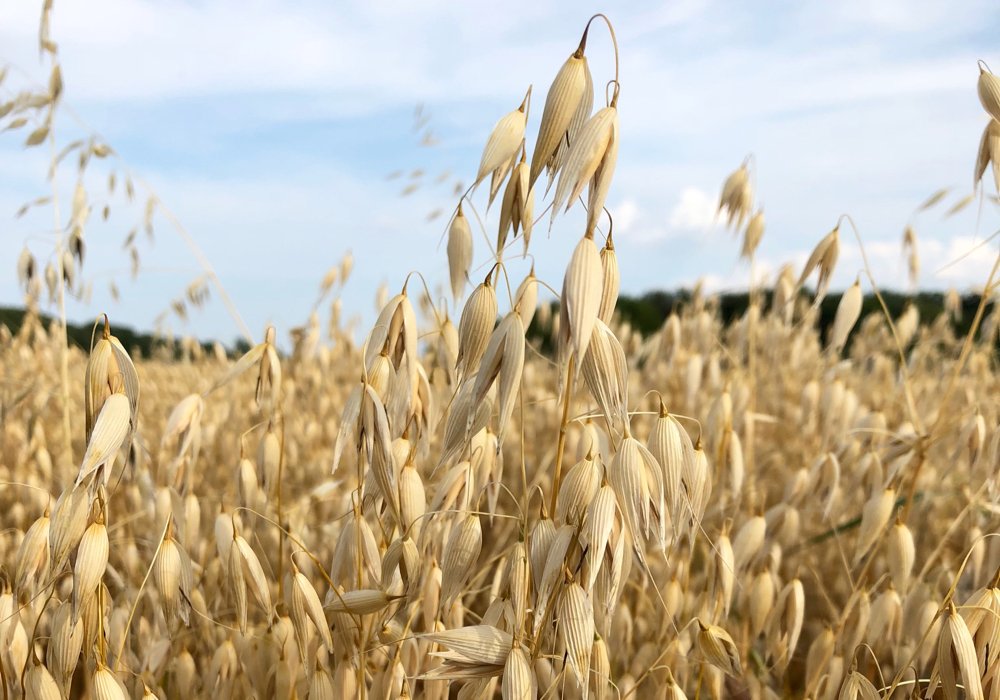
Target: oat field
461 508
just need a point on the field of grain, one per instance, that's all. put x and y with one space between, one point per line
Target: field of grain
458 507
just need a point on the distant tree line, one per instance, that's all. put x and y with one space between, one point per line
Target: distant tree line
645 313
648 312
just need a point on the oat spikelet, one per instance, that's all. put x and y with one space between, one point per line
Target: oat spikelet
91 562
581 296
874 517
857 687
627 477
761 601
412 499
596 533
502 362
956 659
526 298
752 235
600 663
460 555
360 602
173 577
670 445
459 252
823 257
612 281
518 682
749 540
503 143
570 95
575 619
111 429
719 649
605 372
989 152
478 318
32 554
107 686
306 608
66 642
848 312
109 369
517 207
577 490
737 197
819 655
724 578
591 160
989 92
481 644
39 683
901 555
253 573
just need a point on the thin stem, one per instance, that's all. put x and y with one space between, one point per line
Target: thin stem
614 41
61 273
563 424
199 255
138 594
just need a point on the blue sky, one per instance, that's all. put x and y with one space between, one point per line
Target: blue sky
269 129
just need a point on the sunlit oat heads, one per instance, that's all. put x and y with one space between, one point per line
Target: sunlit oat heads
797 524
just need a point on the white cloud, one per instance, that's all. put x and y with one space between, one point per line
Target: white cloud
626 215
694 211
963 260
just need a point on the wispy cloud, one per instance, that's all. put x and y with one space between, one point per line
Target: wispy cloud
694 211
